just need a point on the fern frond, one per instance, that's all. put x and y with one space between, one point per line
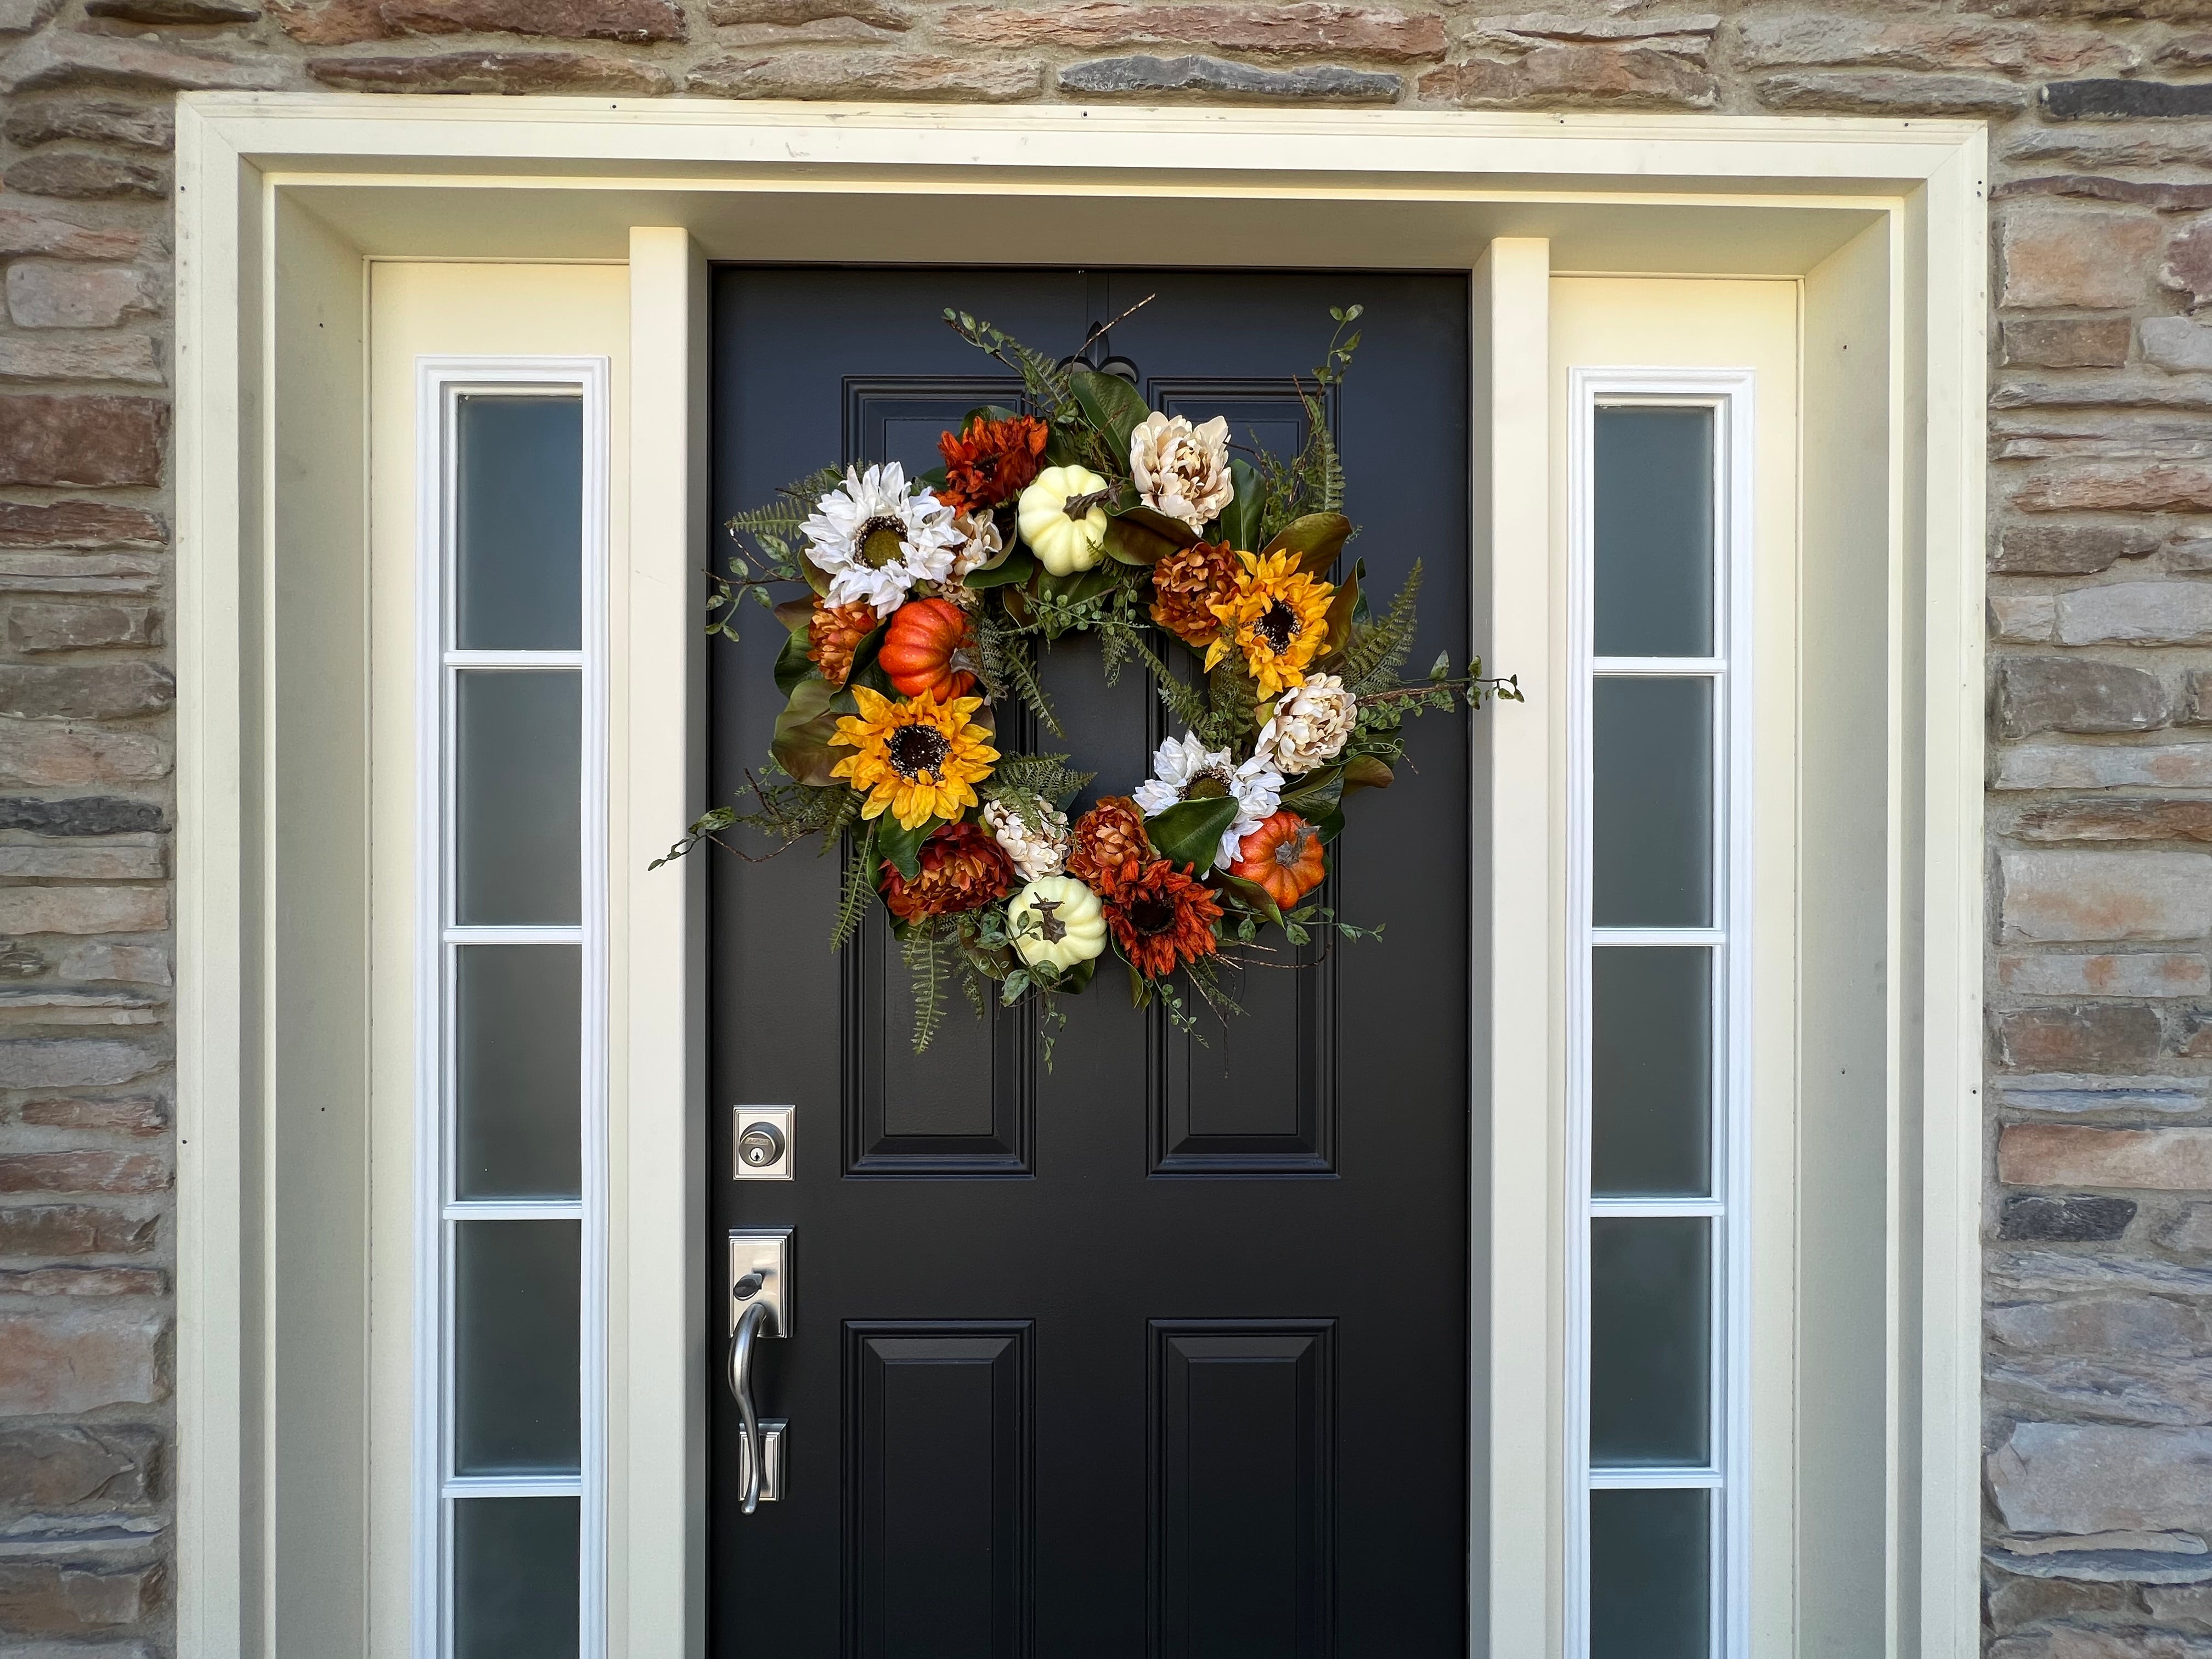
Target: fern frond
781 516
1046 777
853 900
1236 703
1378 650
926 963
1184 701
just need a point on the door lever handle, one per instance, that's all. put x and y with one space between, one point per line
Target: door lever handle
752 1454
760 1306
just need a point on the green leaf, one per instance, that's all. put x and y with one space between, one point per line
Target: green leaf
1316 538
1114 406
792 663
992 412
1315 795
1190 831
1367 772
795 613
801 741
934 477
1253 895
1017 567
1137 535
1331 827
1140 988
1240 519
900 847
1344 607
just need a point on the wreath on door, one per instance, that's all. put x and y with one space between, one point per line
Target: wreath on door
926 604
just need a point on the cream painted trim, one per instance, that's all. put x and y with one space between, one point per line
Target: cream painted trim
452 177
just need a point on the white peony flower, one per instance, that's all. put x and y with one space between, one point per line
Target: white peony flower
1181 469
981 543
1034 855
1310 727
875 539
1183 765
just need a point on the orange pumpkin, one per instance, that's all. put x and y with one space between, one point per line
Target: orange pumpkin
919 648
1283 855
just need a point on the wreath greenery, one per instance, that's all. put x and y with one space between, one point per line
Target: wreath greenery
924 605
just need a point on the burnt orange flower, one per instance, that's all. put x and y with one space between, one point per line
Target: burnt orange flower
1161 917
961 868
834 633
990 462
1186 586
1106 840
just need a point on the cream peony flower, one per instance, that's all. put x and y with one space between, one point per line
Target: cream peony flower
978 532
1185 770
1181 469
875 539
1310 727
1034 855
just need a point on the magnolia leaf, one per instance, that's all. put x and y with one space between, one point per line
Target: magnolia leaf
1315 795
1015 565
1140 988
992 412
1077 978
795 613
816 577
1240 519
934 478
1344 607
1060 450
1316 538
793 664
801 742
1367 772
1331 827
1114 406
900 847
1190 832
1135 536
1252 895
1160 524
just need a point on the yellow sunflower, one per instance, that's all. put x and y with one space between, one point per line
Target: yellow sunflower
920 759
1278 618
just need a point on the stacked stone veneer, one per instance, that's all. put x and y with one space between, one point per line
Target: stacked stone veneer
2099 1197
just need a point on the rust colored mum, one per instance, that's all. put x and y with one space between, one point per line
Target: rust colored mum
1106 840
990 462
1161 917
1187 584
960 868
834 633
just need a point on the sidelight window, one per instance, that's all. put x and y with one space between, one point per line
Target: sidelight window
512 1105
1658 998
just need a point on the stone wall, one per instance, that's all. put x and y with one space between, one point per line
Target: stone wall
2099 1198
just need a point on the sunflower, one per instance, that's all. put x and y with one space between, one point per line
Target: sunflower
920 759
1278 618
1160 917
988 463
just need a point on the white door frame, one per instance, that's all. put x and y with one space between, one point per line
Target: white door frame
281 198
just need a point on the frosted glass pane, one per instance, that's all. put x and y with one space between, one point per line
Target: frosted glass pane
1650 1555
519 773
517 1342
515 1567
1652 1072
519 1018
518 515
1652 803
1653 480
1650 1340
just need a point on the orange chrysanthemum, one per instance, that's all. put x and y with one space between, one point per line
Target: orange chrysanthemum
1186 586
834 633
960 868
990 462
1108 839
1161 917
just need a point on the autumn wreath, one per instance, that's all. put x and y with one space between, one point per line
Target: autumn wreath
927 603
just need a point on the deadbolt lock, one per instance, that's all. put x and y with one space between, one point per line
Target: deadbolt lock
763 1151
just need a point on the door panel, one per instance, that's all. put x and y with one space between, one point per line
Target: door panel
1163 1350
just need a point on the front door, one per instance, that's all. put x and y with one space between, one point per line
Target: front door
1162 1348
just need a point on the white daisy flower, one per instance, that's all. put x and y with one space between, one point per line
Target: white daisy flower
875 539
1185 770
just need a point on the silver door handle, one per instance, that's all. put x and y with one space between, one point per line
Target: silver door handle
752 1454
760 1306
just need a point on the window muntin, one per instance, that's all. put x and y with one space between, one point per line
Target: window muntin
1658 1009
512 1111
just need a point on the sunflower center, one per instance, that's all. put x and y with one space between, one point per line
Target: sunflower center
914 749
1050 928
880 540
1206 785
1151 915
1277 625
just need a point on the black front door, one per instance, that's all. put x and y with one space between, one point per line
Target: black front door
1164 1350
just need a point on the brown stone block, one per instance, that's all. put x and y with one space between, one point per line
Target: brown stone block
2075 1155
1581 75
791 13
83 1281
1308 27
2070 898
2067 550
2077 694
54 1598
2080 1034
2016 1603
46 755
140 1116
1818 40
2188 263
496 72
2154 487
2061 256
79 524
33 627
2124 819
101 1171
45 1229
66 57
83 909
78 1360
25 232
2068 342
2165 197
85 690
87 175
67 1468
1888 93
333 22
163 14
99 438
634 20
817 75
107 121
126 357
74 1062
60 294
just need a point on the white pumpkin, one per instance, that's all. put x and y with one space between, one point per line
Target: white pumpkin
1057 923
1063 545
